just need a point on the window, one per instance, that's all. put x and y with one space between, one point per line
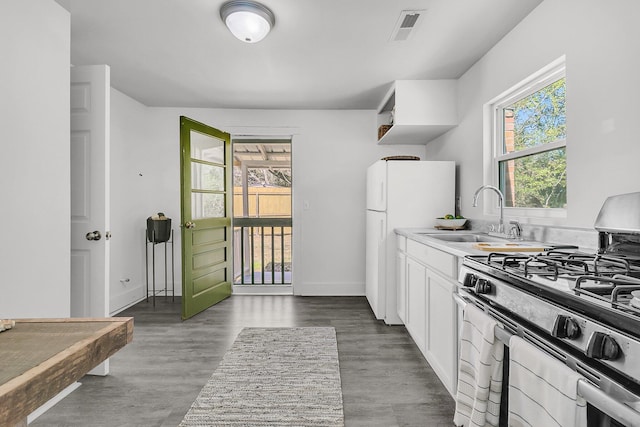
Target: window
262 177
529 144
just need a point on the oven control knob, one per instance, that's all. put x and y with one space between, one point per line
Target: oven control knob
483 286
566 327
602 346
470 280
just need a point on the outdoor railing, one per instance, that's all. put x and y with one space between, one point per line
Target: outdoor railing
262 251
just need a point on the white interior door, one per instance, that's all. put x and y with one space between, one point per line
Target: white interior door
90 121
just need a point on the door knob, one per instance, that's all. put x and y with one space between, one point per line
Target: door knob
190 225
93 235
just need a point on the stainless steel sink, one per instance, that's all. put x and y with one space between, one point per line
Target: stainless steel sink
463 237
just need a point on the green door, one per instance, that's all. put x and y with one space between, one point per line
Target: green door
206 190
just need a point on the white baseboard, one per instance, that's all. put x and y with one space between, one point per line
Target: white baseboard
131 304
132 297
51 402
262 290
101 370
126 299
329 289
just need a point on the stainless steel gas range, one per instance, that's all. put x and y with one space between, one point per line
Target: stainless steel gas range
581 308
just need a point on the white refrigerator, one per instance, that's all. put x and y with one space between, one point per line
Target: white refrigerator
400 194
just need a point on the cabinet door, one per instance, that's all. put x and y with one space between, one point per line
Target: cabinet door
401 285
417 303
442 330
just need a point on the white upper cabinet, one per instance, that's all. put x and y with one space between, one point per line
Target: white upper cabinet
418 111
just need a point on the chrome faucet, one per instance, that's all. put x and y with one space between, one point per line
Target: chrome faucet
516 230
500 203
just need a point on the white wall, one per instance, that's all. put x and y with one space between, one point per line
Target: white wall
331 151
131 183
601 41
34 164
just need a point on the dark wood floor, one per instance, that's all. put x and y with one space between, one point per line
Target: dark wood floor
154 380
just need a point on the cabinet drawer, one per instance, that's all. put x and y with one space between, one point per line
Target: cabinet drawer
418 250
444 262
401 242
439 260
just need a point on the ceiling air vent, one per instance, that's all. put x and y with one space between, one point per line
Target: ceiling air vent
406 25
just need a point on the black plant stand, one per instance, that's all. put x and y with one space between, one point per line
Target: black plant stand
152 242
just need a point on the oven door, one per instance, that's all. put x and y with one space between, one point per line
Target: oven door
616 407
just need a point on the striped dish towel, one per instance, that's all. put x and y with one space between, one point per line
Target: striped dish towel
543 392
479 371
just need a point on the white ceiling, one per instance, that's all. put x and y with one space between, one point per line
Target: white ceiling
321 54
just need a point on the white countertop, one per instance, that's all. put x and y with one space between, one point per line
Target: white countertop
421 235
461 249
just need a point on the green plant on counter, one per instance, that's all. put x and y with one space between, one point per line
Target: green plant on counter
449 216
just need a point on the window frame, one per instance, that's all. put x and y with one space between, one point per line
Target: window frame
493 140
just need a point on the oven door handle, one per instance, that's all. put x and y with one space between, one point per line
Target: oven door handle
462 303
616 409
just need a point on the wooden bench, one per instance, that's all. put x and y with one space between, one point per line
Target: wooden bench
41 357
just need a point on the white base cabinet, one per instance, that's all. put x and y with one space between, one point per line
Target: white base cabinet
442 329
401 272
416 303
401 278
430 312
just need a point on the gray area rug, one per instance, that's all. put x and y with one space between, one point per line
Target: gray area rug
273 377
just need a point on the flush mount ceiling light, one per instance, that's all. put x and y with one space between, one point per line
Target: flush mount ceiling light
249 21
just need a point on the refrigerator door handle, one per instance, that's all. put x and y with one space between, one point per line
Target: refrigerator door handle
382 193
381 229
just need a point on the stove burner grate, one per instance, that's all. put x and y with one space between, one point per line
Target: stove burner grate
607 278
552 264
